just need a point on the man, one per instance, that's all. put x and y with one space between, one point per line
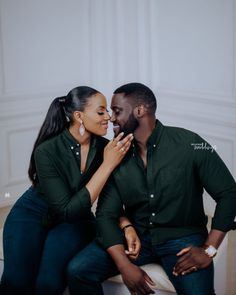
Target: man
160 185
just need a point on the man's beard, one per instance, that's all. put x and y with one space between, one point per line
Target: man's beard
130 126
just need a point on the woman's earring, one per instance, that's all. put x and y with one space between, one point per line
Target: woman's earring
81 129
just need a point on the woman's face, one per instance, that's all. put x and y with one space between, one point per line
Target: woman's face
95 116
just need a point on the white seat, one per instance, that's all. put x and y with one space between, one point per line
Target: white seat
115 284
163 286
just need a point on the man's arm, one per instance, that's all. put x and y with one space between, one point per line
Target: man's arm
194 258
131 237
136 279
110 236
219 183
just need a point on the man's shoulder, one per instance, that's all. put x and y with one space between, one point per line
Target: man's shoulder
180 134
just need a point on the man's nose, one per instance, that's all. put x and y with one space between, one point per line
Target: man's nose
112 119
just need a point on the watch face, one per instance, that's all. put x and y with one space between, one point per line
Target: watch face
211 251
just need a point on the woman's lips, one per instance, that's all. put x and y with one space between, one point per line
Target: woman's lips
105 125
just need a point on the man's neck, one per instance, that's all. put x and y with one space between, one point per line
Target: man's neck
143 132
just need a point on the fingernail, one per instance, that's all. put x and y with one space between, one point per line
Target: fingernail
175 273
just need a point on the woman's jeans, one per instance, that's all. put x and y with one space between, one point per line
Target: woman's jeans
93 265
35 257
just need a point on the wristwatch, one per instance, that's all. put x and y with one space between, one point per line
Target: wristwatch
210 250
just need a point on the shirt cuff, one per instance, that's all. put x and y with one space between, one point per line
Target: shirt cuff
84 197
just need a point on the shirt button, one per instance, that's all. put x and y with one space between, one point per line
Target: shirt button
153 214
77 144
150 223
77 153
72 147
154 145
151 196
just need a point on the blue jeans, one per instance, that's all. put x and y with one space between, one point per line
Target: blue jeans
93 265
35 257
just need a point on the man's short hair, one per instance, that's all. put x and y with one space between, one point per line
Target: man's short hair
139 94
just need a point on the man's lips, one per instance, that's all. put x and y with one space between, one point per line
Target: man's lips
116 126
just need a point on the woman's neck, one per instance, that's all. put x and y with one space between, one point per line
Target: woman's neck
82 140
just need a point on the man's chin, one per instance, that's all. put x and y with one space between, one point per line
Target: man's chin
116 130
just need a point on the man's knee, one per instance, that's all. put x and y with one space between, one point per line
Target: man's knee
79 269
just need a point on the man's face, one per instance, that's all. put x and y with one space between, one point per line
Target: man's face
122 115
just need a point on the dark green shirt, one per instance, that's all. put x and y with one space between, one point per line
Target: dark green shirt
61 183
165 199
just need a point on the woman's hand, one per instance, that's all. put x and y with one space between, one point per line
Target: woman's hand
116 149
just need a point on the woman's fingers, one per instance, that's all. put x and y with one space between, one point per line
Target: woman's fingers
118 137
118 142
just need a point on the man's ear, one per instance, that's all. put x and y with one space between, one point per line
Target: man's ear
139 111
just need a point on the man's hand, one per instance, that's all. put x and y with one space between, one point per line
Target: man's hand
133 242
136 280
191 259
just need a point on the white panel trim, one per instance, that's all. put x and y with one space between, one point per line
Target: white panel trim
2 72
11 180
197 108
143 46
234 51
205 96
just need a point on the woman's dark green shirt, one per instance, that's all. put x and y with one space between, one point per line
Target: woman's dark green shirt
61 183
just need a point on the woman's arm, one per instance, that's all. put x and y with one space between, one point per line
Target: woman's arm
114 152
64 205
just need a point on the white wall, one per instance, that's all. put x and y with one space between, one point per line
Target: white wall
184 50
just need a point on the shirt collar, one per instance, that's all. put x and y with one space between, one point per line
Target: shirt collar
73 143
155 136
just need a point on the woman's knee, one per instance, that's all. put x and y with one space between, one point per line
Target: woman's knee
49 285
16 284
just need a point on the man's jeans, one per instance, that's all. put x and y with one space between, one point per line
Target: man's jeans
35 258
93 265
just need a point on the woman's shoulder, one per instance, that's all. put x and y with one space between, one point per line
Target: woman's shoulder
50 144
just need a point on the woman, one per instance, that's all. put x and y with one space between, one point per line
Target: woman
52 221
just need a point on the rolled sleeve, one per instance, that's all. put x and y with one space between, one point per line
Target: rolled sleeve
219 183
109 210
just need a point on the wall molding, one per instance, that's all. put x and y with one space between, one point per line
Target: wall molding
2 76
200 97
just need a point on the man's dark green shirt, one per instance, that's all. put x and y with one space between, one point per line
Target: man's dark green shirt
166 198
60 181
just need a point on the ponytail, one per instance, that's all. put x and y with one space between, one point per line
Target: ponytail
60 116
54 123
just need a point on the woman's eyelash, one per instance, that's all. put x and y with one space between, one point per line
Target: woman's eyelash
102 113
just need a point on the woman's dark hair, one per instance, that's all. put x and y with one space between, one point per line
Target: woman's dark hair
58 117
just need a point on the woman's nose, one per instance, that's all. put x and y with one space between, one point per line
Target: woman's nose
107 116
